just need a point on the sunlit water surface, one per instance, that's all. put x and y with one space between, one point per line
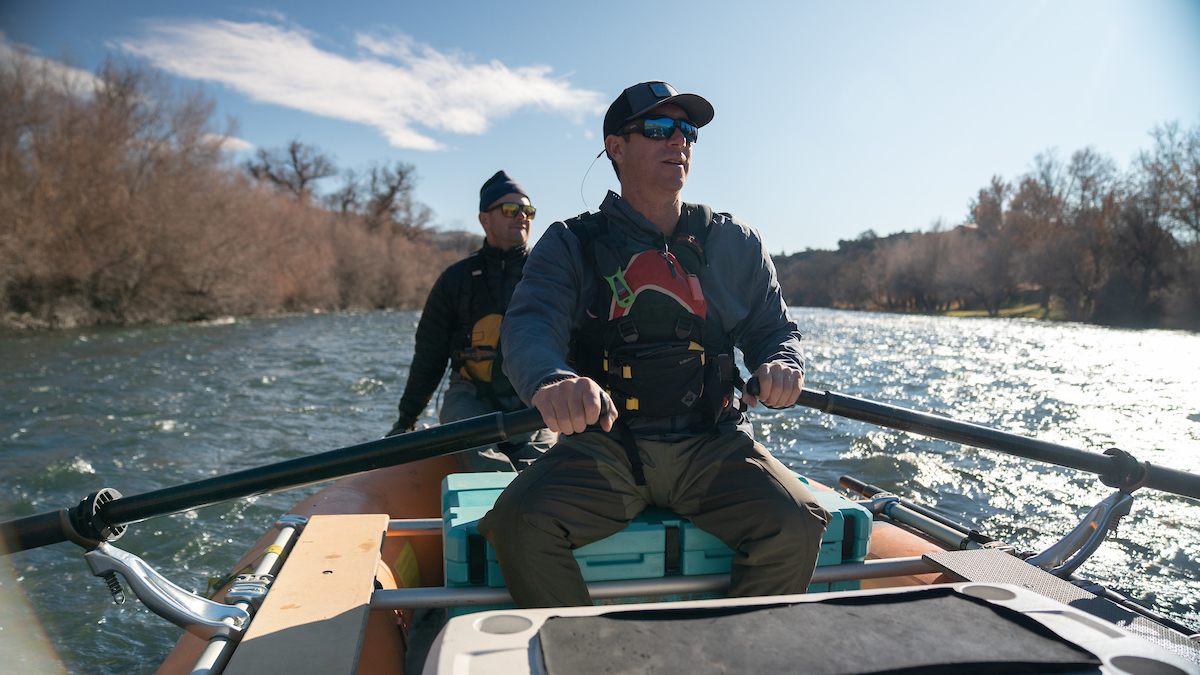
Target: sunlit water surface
146 408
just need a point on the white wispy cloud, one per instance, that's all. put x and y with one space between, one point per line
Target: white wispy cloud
229 143
56 74
395 84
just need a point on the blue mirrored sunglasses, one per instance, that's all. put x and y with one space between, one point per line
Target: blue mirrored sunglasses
663 128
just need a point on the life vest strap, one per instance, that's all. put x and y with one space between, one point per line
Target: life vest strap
631 451
628 329
474 354
684 326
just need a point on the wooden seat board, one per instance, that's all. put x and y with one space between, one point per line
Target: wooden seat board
314 617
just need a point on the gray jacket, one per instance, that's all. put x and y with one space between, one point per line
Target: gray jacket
740 286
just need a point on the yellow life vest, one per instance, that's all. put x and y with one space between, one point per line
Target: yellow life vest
483 353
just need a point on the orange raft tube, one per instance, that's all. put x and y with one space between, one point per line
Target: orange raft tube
414 491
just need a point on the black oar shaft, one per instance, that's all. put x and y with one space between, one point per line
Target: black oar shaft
432 442
946 429
22 534
44 528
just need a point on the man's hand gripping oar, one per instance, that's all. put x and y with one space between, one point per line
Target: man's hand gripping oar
569 406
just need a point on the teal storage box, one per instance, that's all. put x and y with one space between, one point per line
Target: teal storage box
474 489
637 552
656 543
845 540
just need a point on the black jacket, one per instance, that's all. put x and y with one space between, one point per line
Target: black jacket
440 331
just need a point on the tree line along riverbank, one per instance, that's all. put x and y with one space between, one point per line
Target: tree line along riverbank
118 204
1072 238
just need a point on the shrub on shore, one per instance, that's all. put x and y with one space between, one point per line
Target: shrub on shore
118 205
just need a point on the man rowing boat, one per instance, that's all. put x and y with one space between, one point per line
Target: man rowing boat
621 334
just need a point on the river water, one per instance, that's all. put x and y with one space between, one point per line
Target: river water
139 409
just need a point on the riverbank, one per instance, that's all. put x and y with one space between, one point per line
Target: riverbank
1054 312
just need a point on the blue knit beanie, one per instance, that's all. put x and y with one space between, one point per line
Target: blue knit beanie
496 187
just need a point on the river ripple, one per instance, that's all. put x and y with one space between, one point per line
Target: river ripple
146 408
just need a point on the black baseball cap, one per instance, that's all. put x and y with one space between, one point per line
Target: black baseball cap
642 97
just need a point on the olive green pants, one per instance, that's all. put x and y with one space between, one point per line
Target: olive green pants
461 402
582 491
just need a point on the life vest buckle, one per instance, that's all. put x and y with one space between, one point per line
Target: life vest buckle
628 330
620 288
475 354
610 269
683 327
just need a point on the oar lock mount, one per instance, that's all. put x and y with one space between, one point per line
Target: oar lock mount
1063 557
84 525
1127 473
199 616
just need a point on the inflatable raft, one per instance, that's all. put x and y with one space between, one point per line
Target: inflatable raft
387 575
382 572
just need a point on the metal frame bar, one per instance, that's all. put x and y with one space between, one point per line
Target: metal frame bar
482 596
220 648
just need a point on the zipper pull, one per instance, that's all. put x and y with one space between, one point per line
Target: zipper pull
670 260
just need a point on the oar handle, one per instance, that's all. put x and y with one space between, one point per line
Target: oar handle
52 527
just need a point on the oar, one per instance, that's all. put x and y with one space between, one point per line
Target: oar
47 528
51 527
1113 468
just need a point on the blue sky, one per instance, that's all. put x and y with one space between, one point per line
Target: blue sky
832 118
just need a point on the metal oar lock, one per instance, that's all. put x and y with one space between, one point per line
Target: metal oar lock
200 616
1060 559
195 614
1065 556
85 526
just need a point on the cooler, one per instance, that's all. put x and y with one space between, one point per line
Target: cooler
655 544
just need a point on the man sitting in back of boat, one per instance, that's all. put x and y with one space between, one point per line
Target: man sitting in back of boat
461 325
622 334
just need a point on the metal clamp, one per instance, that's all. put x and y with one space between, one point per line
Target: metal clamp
881 503
1063 557
249 588
292 520
201 617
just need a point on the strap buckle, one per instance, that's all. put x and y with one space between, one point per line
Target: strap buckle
475 354
610 268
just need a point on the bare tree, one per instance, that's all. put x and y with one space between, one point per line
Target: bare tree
1171 169
1085 244
388 190
1034 221
852 285
1188 208
294 169
348 198
382 198
910 271
987 209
